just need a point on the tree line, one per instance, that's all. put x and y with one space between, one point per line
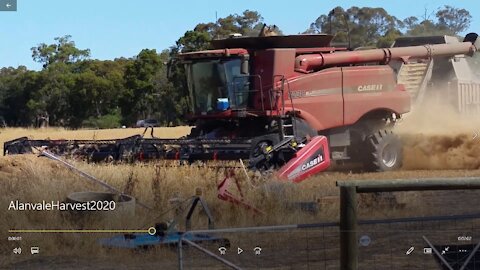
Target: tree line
73 90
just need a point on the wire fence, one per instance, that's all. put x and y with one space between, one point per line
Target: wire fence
408 243
382 244
444 234
307 246
397 241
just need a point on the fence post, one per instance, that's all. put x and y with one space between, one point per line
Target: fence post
348 228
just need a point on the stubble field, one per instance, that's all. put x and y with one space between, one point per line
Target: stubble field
446 149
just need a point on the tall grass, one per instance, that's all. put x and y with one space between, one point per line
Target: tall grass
161 185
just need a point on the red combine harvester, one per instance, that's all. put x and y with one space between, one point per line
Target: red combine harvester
292 103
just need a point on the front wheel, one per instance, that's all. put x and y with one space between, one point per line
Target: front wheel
384 151
260 158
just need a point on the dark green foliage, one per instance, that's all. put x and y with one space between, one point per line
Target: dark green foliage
375 27
16 88
367 26
249 23
63 51
112 120
448 21
68 90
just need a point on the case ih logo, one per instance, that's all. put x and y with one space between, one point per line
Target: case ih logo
370 87
312 163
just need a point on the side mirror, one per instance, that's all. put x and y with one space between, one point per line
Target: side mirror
244 69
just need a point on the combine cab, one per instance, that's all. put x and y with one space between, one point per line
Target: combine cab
292 103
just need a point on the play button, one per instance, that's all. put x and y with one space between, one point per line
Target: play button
239 251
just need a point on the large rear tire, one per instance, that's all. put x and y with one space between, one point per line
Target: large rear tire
384 151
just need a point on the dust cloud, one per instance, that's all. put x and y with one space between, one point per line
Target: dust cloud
436 137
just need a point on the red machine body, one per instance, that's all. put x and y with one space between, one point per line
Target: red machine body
268 89
308 161
331 87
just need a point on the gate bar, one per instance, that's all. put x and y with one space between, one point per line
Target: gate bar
368 186
348 205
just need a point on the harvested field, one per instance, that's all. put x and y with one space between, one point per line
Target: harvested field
32 178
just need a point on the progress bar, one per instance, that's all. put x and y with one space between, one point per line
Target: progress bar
151 231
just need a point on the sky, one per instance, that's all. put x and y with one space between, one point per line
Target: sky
116 28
